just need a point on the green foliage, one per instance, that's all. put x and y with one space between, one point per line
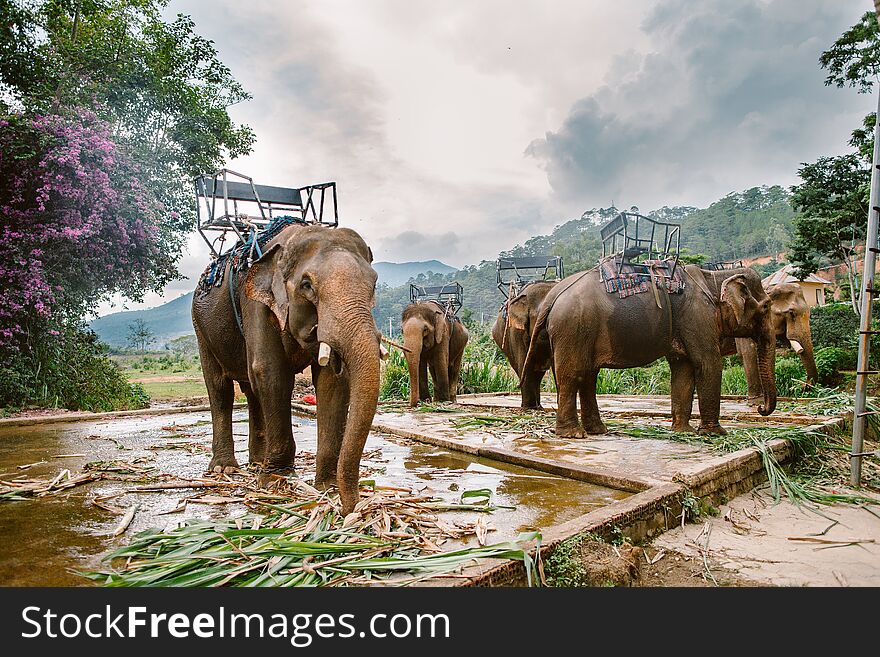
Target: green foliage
835 191
395 377
834 325
484 376
159 95
833 199
140 335
652 380
564 567
829 362
72 371
854 59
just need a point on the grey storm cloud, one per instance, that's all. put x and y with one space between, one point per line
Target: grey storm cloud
411 244
729 95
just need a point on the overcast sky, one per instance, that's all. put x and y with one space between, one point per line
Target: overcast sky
456 129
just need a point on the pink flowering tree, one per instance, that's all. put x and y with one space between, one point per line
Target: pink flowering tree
76 225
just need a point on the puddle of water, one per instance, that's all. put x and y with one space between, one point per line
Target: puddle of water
44 541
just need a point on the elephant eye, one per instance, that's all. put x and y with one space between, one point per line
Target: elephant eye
305 285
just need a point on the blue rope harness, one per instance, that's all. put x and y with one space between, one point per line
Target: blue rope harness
239 259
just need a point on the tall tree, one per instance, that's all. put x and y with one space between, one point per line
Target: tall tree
834 196
106 113
140 336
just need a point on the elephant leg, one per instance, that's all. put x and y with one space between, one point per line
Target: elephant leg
256 425
708 383
273 386
454 372
440 374
682 388
424 389
589 406
333 398
530 388
568 386
221 394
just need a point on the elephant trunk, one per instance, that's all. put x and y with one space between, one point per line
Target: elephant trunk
809 363
766 349
413 342
802 344
360 354
347 327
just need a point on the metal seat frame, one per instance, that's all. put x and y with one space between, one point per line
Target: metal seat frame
636 238
227 201
449 296
525 270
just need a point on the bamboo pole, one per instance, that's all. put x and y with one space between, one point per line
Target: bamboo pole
868 292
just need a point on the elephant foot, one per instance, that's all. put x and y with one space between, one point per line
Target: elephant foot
325 483
223 464
571 431
682 427
595 427
715 429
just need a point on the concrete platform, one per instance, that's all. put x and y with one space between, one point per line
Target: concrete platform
604 485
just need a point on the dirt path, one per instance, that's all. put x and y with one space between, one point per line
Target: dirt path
757 542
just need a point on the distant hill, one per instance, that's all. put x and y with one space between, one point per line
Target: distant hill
168 321
398 273
741 225
172 319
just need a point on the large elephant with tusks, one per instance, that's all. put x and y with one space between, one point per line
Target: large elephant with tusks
305 302
590 328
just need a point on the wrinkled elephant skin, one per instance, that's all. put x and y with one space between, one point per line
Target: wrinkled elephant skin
312 286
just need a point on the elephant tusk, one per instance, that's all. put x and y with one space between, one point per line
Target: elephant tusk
323 354
383 352
797 346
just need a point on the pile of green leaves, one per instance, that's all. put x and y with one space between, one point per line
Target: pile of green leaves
298 543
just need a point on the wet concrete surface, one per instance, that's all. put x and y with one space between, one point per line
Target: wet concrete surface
46 540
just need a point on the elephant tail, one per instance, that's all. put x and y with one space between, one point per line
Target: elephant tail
539 325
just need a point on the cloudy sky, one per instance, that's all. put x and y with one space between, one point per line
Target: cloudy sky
456 129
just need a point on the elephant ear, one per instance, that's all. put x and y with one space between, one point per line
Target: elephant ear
518 313
441 327
265 283
740 305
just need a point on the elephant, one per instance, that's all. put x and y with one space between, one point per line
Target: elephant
790 315
589 329
435 339
512 333
306 301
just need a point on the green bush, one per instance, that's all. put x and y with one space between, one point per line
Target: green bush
72 371
395 377
834 325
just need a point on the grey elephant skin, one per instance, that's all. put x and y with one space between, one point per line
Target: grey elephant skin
312 285
590 329
790 315
434 341
512 333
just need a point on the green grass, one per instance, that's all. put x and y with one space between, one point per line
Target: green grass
164 391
